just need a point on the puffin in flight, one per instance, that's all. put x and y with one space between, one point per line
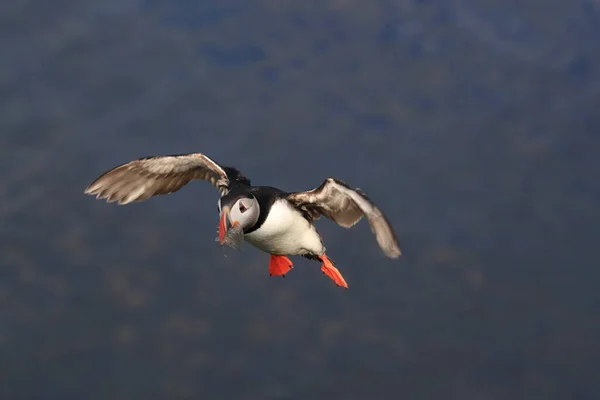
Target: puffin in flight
274 221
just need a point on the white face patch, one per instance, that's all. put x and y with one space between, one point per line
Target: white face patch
245 211
244 205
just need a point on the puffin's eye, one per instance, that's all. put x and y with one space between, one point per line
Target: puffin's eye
243 208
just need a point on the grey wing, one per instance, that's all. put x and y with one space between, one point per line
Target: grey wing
346 206
140 179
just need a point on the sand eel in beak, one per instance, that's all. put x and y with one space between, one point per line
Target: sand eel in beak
276 222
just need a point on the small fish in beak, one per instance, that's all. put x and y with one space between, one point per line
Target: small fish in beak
230 232
234 237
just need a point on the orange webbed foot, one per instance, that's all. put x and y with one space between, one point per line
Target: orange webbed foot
279 265
332 272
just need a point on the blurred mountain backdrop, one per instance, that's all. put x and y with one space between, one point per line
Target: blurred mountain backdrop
473 124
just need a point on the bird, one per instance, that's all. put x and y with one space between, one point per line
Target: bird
274 221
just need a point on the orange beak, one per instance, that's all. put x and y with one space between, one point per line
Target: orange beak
225 224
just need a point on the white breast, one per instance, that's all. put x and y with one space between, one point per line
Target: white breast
286 232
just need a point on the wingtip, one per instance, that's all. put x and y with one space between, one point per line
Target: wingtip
395 252
91 189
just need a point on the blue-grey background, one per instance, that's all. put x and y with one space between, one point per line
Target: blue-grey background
473 124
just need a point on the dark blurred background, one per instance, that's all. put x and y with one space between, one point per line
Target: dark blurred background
472 123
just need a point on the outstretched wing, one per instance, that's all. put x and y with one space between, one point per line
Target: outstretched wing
140 179
346 206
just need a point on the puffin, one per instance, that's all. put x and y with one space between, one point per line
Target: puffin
274 221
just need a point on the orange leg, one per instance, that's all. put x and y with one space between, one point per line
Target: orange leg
332 272
279 265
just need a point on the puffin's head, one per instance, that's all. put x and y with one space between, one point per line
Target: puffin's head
238 212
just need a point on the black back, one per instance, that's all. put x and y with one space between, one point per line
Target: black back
235 176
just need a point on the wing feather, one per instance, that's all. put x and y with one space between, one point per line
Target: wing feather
140 179
346 206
